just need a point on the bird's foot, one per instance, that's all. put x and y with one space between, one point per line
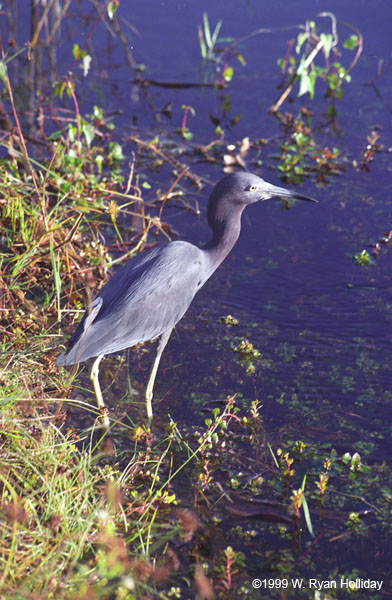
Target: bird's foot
103 419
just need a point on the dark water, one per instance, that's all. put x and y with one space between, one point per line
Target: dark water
321 323
290 275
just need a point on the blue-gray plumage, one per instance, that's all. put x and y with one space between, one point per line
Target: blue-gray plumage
149 295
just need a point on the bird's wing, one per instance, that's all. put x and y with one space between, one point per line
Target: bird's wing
146 297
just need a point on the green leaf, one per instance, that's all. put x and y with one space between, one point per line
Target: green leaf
307 516
319 71
306 509
203 47
355 459
58 88
69 89
116 151
216 33
307 79
301 67
55 135
97 112
88 130
228 73
305 84
235 119
207 33
112 7
56 276
351 42
226 104
327 40
331 111
240 58
299 137
72 131
301 38
3 72
154 141
99 161
188 135
277 465
75 51
312 83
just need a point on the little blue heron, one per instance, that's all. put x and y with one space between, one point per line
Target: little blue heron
149 295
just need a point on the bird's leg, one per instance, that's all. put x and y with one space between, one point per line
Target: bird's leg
130 391
94 378
97 388
150 384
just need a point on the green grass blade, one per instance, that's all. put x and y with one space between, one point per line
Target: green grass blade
207 32
216 32
273 456
56 279
203 48
305 506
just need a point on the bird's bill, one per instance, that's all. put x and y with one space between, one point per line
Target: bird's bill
276 191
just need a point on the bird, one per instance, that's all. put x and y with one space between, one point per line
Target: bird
146 298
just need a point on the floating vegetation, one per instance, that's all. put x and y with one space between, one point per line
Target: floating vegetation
363 258
246 354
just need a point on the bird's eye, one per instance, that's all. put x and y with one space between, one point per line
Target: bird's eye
253 188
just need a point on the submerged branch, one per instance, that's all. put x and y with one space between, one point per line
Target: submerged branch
175 84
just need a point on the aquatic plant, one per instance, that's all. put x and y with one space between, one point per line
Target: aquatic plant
304 70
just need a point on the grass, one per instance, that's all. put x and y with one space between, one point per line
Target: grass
73 522
78 518
51 504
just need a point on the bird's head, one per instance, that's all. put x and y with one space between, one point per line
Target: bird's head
235 191
247 188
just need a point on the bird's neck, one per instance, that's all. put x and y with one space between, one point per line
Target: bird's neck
226 229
